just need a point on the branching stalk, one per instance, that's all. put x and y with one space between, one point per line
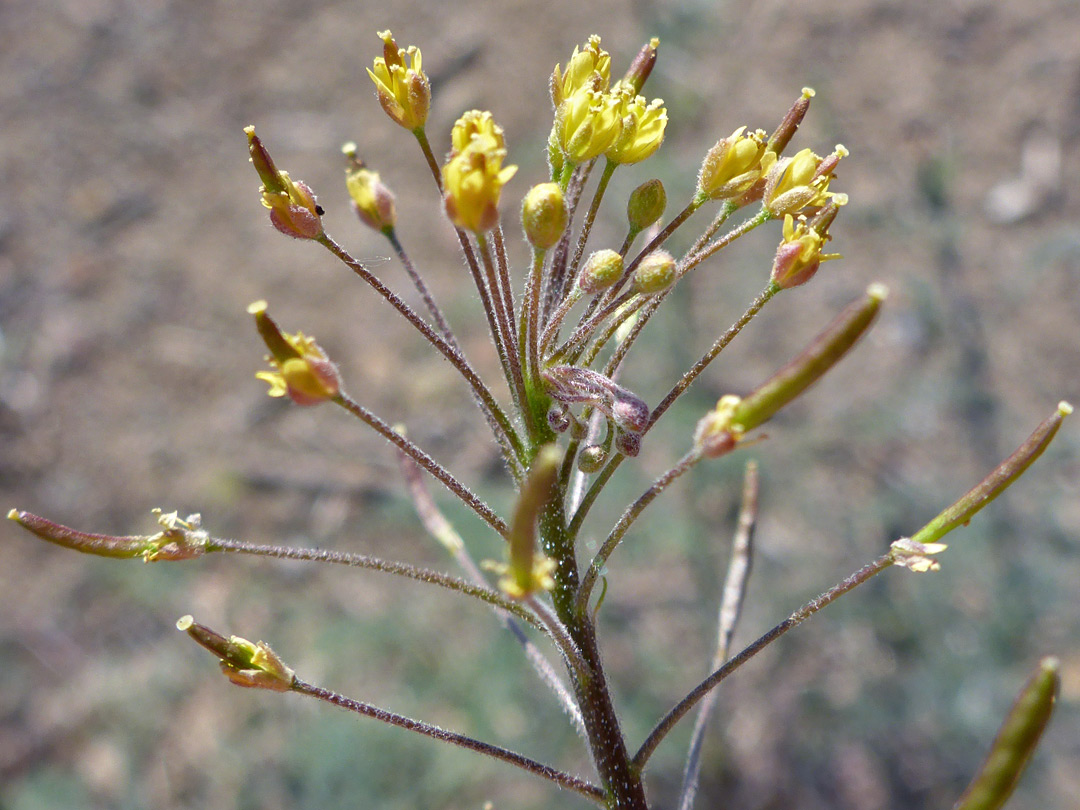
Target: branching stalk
484 594
684 465
507 433
794 620
486 513
738 574
367 710
721 343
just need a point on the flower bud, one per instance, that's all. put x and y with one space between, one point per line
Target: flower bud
401 85
646 205
591 458
602 269
629 444
568 384
558 418
654 274
543 215
372 200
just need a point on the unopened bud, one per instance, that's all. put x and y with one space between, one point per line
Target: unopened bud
602 269
543 215
591 458
558 418
646 205
372 200
654 274
629 444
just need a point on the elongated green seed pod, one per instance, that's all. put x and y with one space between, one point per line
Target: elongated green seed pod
808 367
1015 741
990 487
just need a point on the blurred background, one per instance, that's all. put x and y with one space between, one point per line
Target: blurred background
131 240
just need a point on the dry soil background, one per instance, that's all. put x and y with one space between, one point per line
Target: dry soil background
131 239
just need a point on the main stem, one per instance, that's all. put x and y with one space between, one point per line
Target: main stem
622 783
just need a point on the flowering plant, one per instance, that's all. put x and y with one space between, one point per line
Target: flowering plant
562 335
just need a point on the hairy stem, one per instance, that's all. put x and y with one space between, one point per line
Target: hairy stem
587 224
484 594
428 730
486 513
422 289
507 436
738 574
685 464
721 343
794 620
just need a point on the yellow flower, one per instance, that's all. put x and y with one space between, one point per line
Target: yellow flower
473 126
642 129
587 124
589 69
733 165
473 179
401 85
799 255
293 209
302 370
800 181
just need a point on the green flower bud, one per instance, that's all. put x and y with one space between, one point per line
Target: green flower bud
543 215
655 273
603 268
646 204
591 458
